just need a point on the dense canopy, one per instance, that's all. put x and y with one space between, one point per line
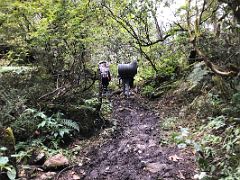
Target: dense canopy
50 88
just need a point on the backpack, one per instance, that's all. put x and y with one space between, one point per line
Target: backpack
104 71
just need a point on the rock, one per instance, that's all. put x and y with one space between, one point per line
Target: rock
151 143
40 157
56 162
155 167
76 177
48 175
94 174
141 147
37 158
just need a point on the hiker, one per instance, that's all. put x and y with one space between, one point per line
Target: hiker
105 74
126 73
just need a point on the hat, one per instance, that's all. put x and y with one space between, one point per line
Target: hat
101 62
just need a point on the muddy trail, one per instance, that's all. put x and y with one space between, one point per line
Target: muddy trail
134 151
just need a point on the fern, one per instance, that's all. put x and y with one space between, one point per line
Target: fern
197 74
70 124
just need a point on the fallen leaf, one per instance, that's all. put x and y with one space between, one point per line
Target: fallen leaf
40 169
174 158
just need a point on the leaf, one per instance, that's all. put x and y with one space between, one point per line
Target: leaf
42 124
185 131
30 110
197 147
55 134
12 174
71 124
3 149
3 160
182 146
200 176
41 115
61 133
174 158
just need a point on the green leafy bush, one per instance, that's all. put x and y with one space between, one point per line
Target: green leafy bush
11 105
56 127
147 90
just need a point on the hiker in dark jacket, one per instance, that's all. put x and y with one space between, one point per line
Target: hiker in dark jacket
126 73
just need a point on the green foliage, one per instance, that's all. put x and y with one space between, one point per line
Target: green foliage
55 126
12 105
182 138
147 90
144 72
198 74
206 105
169 62
64 40
236 99
221 139
93 102
169 123
5 166
25 125
106 108
233 109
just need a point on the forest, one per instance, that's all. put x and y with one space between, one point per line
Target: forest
181 120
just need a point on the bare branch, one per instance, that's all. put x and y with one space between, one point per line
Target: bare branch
213 67
129 28
203 9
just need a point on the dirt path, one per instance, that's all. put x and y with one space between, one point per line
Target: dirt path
135 151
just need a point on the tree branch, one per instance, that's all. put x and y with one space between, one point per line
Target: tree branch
213 67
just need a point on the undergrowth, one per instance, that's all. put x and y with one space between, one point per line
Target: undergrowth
210 125
38 125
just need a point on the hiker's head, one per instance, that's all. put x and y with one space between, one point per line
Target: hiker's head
104 64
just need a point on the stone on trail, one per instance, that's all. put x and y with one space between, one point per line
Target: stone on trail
155 167
56 162
48 175
37 158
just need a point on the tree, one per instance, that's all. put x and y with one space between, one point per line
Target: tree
234 5
138 18
197 21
